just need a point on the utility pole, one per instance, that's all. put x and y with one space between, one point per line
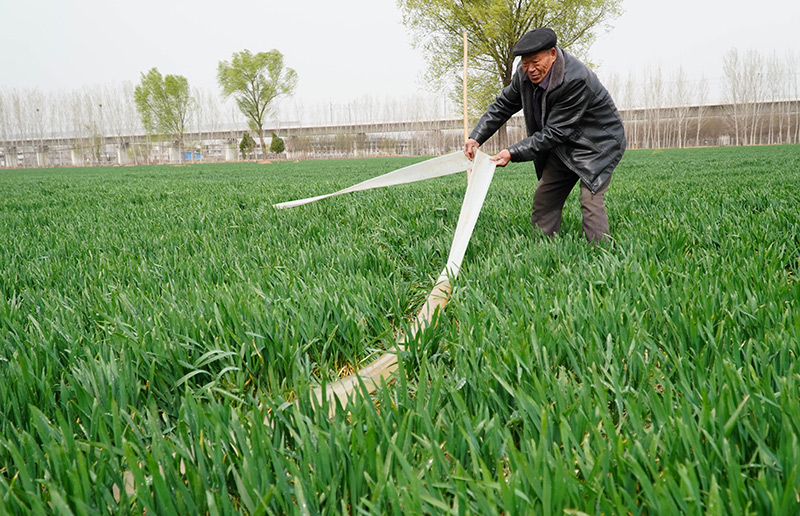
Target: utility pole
466 117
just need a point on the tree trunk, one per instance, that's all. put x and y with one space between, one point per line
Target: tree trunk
263 145
699 122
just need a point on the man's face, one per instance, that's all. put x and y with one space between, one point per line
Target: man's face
537 65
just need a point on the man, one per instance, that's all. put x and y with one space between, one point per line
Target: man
575 132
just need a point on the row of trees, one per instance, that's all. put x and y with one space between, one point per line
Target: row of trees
755 95
89 114
669 109
109 110
752 88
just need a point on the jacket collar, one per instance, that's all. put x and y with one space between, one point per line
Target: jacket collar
557 71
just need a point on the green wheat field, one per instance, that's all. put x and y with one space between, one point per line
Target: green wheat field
161 329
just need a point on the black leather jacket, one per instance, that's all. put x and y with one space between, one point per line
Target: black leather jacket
581 123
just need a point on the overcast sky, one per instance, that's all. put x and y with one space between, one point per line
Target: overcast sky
342 50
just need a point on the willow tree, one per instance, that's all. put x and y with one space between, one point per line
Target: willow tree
165 104
255 81
493 27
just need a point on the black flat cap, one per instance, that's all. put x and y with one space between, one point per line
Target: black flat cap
535 41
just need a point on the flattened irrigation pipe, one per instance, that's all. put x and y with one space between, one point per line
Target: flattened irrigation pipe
378 371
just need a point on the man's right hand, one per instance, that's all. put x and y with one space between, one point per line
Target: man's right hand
470 147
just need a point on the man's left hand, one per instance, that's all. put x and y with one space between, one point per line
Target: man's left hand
502 158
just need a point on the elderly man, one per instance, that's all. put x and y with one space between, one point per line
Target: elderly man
575 132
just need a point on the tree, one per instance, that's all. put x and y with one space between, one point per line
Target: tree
680 96
654 101
277 144
255 81
247 145
164 104
209 110
5 125
493 27
702 98
734 93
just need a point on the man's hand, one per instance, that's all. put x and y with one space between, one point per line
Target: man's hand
502 158
470 147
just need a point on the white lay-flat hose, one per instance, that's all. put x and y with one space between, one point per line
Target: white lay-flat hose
482 173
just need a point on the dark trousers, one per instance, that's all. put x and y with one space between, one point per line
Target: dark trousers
548 201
